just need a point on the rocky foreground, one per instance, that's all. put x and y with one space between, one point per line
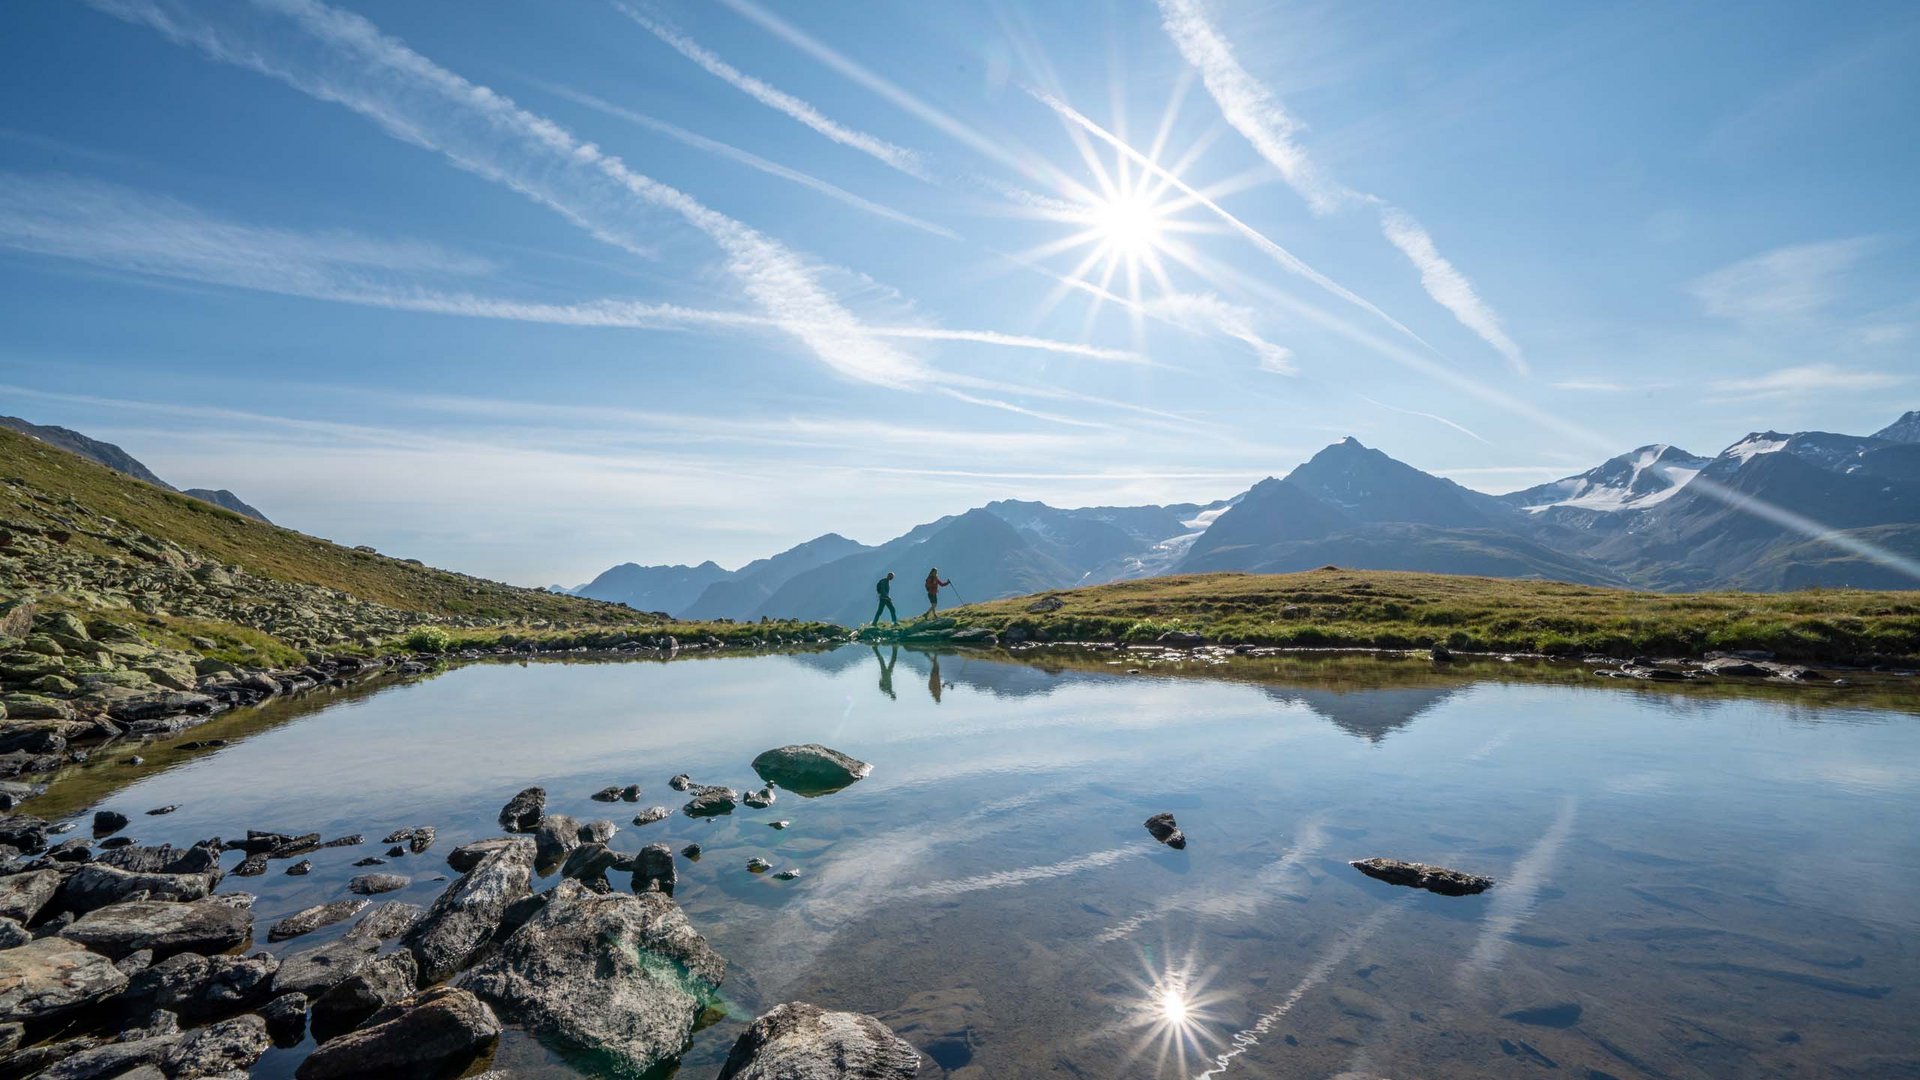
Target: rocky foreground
126 960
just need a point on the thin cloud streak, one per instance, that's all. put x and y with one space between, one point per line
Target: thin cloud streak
1803 380
1258 115
1461 428
340 57
897 157
1201 312
747 158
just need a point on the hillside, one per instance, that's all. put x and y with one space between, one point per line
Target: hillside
78 534
1385 609
113 457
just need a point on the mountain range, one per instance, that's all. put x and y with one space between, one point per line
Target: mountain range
1771 512
105 453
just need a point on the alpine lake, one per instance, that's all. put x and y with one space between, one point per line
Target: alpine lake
1691 881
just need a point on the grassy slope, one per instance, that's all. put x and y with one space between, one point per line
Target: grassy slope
1387 609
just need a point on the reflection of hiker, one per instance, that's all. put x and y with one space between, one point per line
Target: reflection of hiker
885 588
933 590
886 670
933 680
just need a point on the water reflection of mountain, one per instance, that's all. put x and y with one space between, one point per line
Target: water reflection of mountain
1366 714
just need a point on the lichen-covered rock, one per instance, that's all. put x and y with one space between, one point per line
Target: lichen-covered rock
388 920
797 1041
22 896
1436 879
524 811
428 1034
51 976
307 920
98 885
196 987
810 769
315 971
464 917
219 1049
615 973
467 856
383 981
212 925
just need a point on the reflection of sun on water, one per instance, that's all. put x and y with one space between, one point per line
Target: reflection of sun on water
1173 1004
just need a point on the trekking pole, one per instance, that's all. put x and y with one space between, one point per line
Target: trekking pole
957 596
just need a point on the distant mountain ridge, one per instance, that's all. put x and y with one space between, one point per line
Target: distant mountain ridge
1654 517
106 453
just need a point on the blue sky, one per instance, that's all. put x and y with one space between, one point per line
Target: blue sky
527 290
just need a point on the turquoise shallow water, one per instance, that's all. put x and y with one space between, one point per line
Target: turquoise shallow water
1688 885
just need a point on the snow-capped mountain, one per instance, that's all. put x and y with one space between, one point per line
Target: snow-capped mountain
1774 510
1635 480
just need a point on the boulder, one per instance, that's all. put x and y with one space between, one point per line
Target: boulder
797 1041
315 971
201 858
711 802
307 920
286 1018
1045 605
464 917
231 1046
467 856
97 885
22 896
653 870
589 862
432 1033
51 976
524 811
375 884
383 981
128 1057
1436 879
388 920
108 822
598 831
196 987
1165 830
810 769
212 925
556 835
618 974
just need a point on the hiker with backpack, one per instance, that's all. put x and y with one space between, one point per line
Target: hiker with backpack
885 588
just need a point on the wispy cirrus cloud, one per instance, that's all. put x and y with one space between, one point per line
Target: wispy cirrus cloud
1435 417
747 158
1789 282
124 229
1263 120
1806 379
1207 313
340 57
898 157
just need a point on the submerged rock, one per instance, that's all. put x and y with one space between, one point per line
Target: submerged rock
619 974
51 976
810 769
428 1034
375 884
307 920
1437 879
463 919
1166 830
797 1041
524 811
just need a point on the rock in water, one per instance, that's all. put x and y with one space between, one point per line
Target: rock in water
761 799
463 919
222 1049
108 822
383 981
653 870
797 1041
618 974
375 884
467 856
310 919
711 802
810 770
652 814
213 925
556 835
1436 879
286 1018
53 975
429 1034
524 811
1165 830
680 782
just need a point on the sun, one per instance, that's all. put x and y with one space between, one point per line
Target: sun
1128 224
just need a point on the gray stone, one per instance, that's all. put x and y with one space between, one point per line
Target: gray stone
286 1018
375 884
810 769
307 920
652 814
556 835
711 802
464 917
198 987
1436 879
598 831
212 925
315 971
654 871
797 1041
51 976
97 885
619 974
1166 830
523 812
23 896
383 981
428 1034
219 1049
113 1059
388 920
12 934
589 862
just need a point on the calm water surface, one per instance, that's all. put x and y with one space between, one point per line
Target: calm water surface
1689 885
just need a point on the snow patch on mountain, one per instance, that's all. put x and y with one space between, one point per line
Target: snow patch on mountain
1635 480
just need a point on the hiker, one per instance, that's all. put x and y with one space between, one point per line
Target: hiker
885 588
933 591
